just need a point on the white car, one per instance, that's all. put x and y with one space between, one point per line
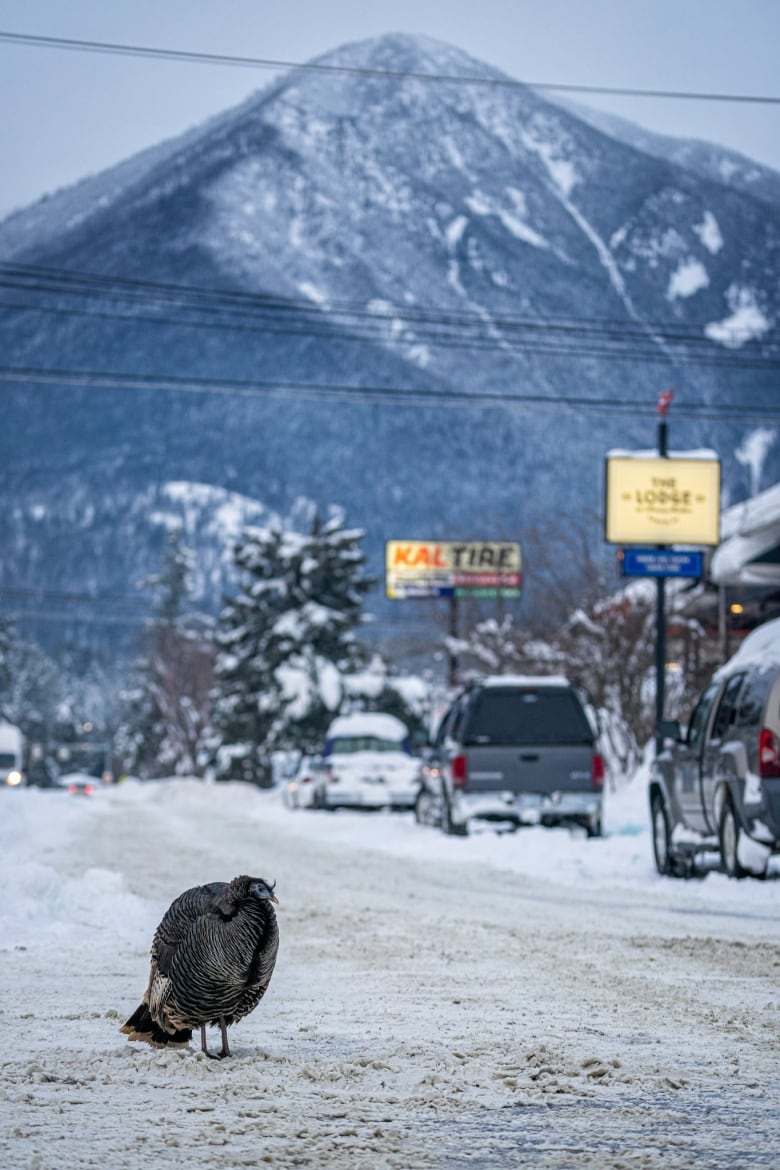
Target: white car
79 783
298 788
367 764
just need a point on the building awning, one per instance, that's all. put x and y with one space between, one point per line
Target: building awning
749 554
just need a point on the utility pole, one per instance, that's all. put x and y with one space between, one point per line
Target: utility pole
452 657
664 402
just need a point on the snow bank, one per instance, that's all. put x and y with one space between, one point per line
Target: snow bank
42 904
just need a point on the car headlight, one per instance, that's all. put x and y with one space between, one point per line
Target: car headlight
14 779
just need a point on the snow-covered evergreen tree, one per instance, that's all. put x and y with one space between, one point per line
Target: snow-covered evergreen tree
285 642
167 706
31 686
376 687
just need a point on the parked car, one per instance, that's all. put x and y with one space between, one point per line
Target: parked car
516 749
367 763
78 783
716 786
299 786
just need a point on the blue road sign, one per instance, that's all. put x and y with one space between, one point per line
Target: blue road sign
660 562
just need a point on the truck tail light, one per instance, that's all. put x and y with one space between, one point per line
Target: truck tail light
597 770
460 772
768 754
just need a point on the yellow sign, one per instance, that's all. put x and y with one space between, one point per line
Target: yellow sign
452 568
662 501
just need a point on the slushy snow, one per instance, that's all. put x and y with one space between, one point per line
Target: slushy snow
532 999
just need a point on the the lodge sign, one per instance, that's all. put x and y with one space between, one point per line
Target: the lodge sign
673 500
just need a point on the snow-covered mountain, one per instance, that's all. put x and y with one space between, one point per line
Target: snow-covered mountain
121 527
707 159
377 291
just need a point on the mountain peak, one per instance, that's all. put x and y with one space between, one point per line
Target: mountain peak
407 53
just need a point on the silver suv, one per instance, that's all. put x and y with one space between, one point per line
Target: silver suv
716 787
513 748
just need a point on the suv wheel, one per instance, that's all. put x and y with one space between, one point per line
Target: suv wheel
594 828
450 827
665 861
427 808
729 832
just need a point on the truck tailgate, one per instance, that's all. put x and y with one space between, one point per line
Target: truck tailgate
544 769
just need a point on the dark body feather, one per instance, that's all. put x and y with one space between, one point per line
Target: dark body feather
213 956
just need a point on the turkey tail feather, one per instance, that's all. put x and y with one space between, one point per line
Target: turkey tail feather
141 1026
140 1021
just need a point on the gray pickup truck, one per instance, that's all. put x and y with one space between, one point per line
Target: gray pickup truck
513 748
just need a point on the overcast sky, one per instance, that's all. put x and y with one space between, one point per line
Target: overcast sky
68 114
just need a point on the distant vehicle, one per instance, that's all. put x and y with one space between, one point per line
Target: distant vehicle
298 787
517 749
716 786
11 756
78 783
367 763
87 757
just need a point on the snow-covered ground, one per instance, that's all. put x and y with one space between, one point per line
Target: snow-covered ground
522 1000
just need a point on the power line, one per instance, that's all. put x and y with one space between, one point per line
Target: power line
227 59
448 329
73 620
59 595
372 395
612 347
66 281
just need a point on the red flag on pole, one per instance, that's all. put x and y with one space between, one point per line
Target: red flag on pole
665 401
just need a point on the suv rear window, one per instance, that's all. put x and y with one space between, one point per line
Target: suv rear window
533 715
753 697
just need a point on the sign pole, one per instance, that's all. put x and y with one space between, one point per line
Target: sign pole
452 656
664 402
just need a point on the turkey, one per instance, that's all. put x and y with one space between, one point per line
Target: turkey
213 956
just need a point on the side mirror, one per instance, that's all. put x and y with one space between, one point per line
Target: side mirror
670 729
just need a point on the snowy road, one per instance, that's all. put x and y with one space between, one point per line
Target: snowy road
532 1000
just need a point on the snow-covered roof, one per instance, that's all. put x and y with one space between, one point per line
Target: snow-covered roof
760 648
750 531
368 723
758 512
526 680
